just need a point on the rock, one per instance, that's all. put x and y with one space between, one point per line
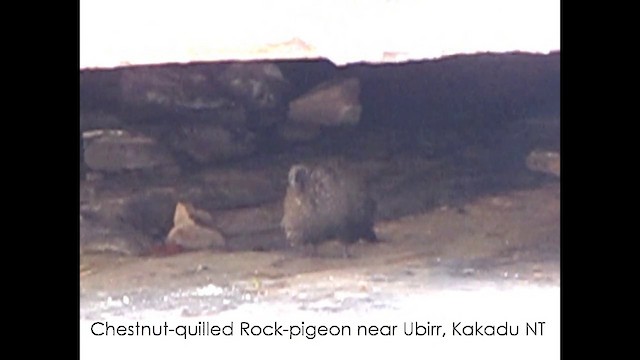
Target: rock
92 120
252 228
119 150
207 142
83 167
294 132
190 235
99 90
224 189
248 220
173 91
178 94
149 212
246 229
326 202
210 93
331 103
96 237
268 240
257 85
544 161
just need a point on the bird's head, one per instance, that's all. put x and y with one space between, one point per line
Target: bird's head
299 176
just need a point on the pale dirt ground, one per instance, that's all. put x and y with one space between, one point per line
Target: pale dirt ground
506 239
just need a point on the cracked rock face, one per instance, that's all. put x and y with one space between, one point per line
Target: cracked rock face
119 150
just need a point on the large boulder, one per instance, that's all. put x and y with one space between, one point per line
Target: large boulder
331 103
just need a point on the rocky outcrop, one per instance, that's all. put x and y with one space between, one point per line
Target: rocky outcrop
220 139
207 113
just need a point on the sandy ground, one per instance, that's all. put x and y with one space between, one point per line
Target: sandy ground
505 240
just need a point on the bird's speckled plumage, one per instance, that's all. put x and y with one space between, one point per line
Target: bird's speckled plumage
327 202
